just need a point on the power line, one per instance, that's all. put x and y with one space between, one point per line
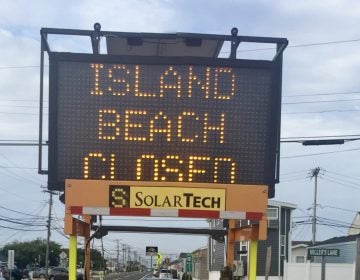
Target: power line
290 46
21 100
335 221
12 234
283 103
293 172
21 223
15 142
292 180
341 183
322 136
320 94
327 224
321 112
323 153
21 229
320 101
21 67
26 214
23 106
18 113
342 175
338 208
299 45
23 177
17 167
18 196
343 180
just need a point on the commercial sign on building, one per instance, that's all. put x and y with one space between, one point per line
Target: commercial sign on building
166 198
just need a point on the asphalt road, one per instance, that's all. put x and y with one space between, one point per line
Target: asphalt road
134 275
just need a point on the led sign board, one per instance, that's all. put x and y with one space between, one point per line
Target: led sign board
162 119
151 250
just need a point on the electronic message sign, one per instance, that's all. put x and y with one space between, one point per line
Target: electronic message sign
164 119
151 250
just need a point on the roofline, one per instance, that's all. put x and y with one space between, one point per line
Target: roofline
281 204
199 249
322 243
299 245
357 215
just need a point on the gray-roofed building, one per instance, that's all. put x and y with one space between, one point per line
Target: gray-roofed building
346 244
279 239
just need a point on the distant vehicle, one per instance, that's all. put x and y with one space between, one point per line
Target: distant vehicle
3 272
37 272
156 278
16 274
61 273
165 273
25 274
175 274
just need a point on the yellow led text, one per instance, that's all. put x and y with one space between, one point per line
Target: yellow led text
178 81
140 125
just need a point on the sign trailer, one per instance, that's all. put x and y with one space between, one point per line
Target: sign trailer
162 126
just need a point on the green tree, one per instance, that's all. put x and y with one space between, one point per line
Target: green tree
32 253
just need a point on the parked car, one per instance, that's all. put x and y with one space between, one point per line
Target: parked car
37 272
61 273
175 274
165 273
3 271
16 274
25 274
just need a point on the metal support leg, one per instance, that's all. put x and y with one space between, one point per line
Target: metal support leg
72 257
253 259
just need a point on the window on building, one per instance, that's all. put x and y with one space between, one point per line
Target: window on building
272 213
300 259
243 248
273 218
282 245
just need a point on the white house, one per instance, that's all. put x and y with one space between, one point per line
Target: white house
355 226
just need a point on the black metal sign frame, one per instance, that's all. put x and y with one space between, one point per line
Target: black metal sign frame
275 65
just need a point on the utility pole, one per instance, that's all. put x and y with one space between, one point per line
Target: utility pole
118 255
124 257
314 174
129 258
135 259
48 234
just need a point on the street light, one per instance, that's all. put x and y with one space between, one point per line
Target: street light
323 142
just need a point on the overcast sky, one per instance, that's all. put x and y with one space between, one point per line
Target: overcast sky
321 97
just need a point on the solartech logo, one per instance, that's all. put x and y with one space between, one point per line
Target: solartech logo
167 198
